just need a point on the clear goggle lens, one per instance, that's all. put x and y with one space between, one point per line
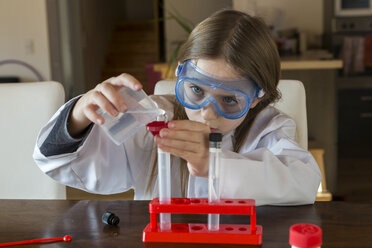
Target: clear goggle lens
194 95
231 98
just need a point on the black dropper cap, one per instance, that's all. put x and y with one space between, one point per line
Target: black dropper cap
215 137
215 140
110 218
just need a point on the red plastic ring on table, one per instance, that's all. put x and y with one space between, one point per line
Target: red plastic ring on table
305 235
66 238
155 126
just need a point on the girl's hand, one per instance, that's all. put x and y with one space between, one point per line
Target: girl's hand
188 140
105 96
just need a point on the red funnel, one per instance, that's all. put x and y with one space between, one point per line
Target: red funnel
155 126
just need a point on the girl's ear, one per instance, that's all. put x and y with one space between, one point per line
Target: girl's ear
261 93
178 68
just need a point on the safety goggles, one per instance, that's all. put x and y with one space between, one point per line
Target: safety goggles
231 98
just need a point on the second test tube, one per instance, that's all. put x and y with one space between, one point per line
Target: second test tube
214 178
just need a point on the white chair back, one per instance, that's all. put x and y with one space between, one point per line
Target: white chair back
292 103
24 109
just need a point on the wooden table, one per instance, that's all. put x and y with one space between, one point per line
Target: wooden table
344 224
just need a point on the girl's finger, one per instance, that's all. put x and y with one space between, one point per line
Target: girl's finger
187 155
102 102
109 91
191 158
126 80
180 145
108 80
191 136
91 114
188 125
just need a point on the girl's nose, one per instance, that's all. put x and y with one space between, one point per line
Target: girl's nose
209 112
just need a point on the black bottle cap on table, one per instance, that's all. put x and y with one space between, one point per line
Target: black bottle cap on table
110 218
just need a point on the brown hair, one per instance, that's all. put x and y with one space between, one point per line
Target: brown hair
245 43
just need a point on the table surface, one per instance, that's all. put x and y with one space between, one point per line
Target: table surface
344 224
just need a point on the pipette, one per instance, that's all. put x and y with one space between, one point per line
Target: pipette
214 178
66 238
163 175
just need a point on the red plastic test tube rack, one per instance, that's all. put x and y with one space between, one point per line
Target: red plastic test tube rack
199 233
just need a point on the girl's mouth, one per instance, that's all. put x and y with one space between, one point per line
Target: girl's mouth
214 130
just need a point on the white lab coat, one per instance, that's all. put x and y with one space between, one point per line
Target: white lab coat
270 167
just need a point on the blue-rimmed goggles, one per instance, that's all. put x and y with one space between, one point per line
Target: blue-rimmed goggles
231 98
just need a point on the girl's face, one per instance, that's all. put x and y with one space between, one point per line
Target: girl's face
208 115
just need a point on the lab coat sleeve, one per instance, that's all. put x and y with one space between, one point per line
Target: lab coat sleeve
97 166
276 172
59 140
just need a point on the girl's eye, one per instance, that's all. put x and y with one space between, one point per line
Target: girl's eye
196 90
230 100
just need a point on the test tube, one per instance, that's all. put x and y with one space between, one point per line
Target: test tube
164 182
164 187
214 178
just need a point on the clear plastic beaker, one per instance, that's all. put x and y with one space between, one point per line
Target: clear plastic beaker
140 111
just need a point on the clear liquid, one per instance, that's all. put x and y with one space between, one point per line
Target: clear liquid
128 123
141 111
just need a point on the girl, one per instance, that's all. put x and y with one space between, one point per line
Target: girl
227 76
